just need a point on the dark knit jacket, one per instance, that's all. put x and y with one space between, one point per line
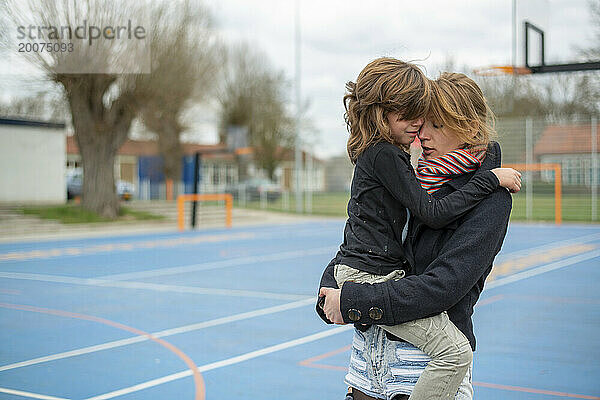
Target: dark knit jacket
384 183
449 265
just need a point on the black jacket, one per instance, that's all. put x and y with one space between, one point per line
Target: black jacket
450 265
384 183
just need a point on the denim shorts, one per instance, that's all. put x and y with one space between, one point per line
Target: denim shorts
384 368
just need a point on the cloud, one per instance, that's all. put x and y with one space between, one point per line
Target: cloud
340 37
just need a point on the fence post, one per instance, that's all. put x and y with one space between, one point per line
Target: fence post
263 199
147 189
285 200
594 168
169 188
528 161
162 194
308 184
242 195
197 177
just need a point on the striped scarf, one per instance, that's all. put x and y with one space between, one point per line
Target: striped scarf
433 173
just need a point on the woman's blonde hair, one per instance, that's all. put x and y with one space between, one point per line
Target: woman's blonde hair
385 85
458 104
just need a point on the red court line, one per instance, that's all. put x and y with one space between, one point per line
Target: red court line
532 390
311 362
198 381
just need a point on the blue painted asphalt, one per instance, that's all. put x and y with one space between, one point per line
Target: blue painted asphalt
538 336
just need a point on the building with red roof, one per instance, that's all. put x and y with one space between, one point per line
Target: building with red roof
569 145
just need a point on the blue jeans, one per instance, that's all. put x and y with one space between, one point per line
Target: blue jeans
437 336
384 368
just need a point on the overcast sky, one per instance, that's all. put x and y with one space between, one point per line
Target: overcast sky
338 38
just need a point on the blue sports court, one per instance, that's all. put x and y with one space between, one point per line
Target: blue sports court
127 317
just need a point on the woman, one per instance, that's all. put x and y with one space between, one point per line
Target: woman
449 265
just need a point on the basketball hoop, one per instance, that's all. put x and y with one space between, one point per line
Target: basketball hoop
498 70
542 67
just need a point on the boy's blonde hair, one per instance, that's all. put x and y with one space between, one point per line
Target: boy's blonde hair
458 104
385 85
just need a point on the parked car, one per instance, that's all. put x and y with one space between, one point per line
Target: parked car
253 188
74 183
125 190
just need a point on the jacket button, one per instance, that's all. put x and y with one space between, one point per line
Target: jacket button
375 313
353 314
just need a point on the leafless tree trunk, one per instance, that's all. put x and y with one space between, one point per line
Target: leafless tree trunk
168 130
99 133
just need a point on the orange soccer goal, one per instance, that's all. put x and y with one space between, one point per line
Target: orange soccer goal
181 199
557 183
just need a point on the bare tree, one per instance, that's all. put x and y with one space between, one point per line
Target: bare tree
592 53
254 96
183 72
102 104
554 96
45 105
106 81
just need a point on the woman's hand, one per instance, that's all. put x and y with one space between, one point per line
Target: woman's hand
509 178
332 304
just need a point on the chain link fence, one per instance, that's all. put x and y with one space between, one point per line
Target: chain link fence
558 159
559 162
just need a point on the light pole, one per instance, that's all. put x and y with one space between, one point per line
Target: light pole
298 144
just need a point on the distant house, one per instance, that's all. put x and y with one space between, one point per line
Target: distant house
32 161
139 162
571 147
312 175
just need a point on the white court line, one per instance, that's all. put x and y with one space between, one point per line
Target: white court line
167 332
29 394
224 363
301 253
269 310
267 350
150 286
271 349
542 269
221 264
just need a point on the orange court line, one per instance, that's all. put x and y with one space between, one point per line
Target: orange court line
198 381
532 390
310 362
489 300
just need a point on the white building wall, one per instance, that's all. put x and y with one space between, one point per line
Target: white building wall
32 164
